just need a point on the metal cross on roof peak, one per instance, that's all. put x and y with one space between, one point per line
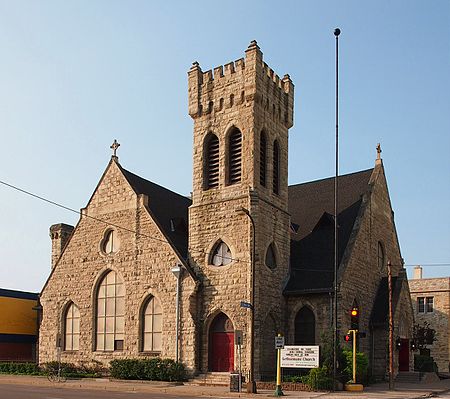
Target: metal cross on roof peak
378 151
114 147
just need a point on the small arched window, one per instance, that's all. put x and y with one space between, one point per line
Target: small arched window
72 328
110 244
110 313
211 166
152 326
234 156
262 159
271 259
221 254
381 261
276 168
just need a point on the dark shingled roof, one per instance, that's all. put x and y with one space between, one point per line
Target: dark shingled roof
169 209
311 206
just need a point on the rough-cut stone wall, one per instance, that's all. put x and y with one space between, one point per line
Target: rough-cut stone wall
248 95
144 261
361 275
439 289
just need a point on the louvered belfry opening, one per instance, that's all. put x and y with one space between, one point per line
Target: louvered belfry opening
212 162
262 159
276 168
235 157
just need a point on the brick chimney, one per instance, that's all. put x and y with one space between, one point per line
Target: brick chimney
417 273
59 234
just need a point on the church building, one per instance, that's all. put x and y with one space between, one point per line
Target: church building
148 272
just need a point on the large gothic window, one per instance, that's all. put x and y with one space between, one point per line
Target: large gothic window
152 326
276 168
72 328
262 159
305 327
221 255
211 165
110 313
234 156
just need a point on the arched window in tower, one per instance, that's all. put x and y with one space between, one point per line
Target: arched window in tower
305 327
271 259
234 156
211 165
276 168
110 308
220 255
152 326
72 328
380 256
262 159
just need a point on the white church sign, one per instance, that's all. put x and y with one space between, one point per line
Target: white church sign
300 356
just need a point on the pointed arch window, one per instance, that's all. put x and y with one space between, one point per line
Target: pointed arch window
271 259
72 328
110 316
221 255
305 327
211 165
234 156
380 256
276 168
262 159
152 326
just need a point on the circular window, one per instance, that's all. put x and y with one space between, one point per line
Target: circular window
110 244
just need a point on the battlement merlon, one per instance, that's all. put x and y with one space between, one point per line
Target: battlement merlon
247 75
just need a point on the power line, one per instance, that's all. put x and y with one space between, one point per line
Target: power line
101 220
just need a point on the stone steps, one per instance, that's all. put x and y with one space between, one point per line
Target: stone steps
212 379
414 377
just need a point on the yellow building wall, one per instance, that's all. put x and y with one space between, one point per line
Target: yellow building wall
17 316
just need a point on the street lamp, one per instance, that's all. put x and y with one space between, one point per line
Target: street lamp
251 384
177 272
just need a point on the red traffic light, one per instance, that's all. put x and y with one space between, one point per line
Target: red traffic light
348 338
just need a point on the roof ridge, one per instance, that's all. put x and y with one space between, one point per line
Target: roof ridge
331 178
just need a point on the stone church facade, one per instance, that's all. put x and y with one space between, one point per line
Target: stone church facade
243 238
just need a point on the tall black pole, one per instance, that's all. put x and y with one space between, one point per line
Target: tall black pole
337 32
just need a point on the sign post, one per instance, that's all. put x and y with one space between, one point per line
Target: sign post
279 345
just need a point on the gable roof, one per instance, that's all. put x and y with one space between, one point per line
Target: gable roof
168 208
311 206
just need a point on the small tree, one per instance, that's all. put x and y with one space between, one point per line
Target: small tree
423 335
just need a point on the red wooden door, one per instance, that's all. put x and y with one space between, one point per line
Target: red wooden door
403 355
222 356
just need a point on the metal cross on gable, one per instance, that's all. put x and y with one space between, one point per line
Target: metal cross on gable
114 147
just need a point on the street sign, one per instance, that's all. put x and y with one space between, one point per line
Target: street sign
279 342
300 356
247 305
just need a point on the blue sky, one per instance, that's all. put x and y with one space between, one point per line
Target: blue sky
75 75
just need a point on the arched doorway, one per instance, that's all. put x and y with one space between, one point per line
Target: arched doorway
305 327
221 347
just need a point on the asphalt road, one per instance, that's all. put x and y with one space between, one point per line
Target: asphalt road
9 391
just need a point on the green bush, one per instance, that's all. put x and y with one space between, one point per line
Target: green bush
362 366
155 369
71 370
19 368
318 378
424 364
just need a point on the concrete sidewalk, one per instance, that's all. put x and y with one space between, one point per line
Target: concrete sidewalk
403 391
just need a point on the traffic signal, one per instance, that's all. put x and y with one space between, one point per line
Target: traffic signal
348 338
354 318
